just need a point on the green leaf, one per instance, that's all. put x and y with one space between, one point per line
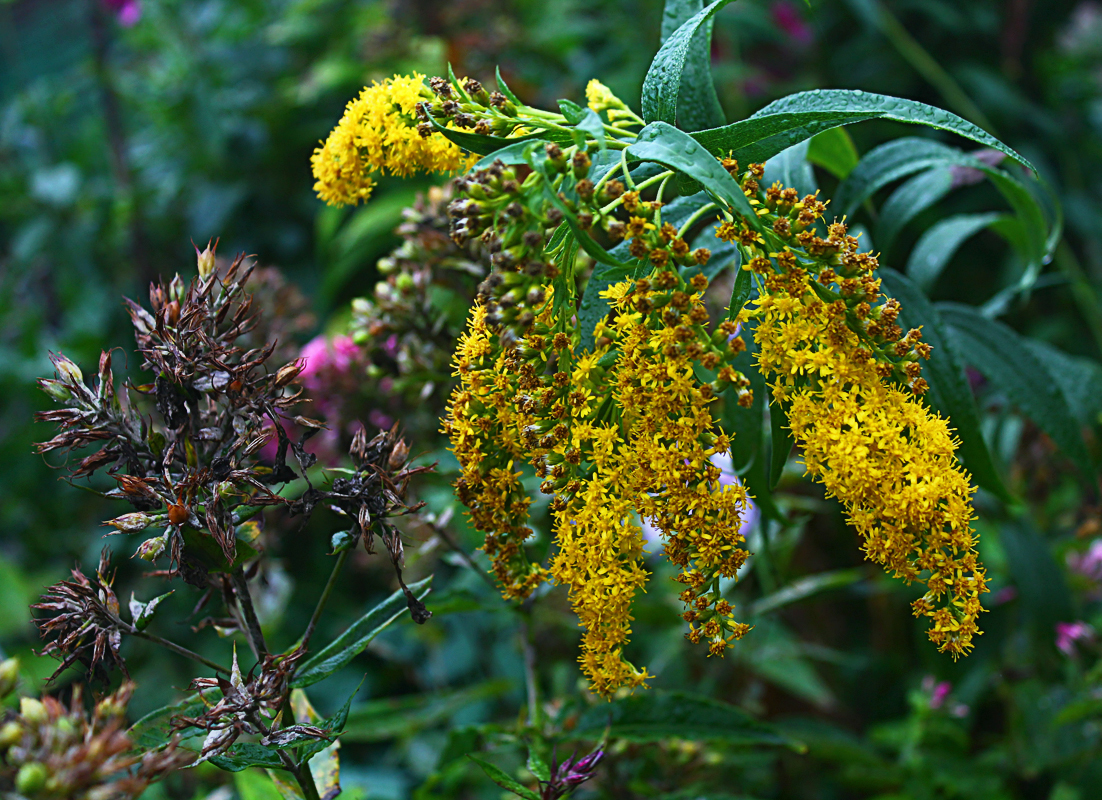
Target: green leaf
804 114
940 242
142 613
791 168
804 588
503 87
697 102
949 392
155 728
572 111
396 717
1045 597
537 765
1003 358
781 442
656 716
356 638
662 84
666 145
834 151
909 200
1079 379
483 144
256 785
740 292
515 153
502 778
202 546
243 755
592 125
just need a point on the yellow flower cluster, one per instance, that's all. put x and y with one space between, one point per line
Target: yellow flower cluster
620 433
379 133
875 447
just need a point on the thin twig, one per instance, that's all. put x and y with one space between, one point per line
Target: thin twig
341 558
470 562
530 668
178 649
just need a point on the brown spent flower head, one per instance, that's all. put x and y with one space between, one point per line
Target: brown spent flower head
54 752
83 622
189 465
249 705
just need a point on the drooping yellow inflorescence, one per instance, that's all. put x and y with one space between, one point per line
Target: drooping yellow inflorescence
379 133
619 434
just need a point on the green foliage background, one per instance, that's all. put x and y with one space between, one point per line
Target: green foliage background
119 145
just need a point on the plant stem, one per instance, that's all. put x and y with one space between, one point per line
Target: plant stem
178 649
696 216
252 624
341 558
470 562
530 668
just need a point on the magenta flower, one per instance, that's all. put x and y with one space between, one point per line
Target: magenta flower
1068 633
1088 564
128 12
786 16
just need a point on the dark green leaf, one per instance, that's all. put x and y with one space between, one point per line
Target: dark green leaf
515 153
697 103
791 168
759 138
1045 597
909 200
592 125
248 754
155 728
390 718
334 726
356 639
1003 358
935 248
834 151
656 715
502 779
740 292
949 391
1079 379
666 145
662 84
822 109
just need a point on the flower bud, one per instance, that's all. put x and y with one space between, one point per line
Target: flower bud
205 260
151 548
288 372
10 734
31 778
55 389
9 674
131 523
32 710
68 371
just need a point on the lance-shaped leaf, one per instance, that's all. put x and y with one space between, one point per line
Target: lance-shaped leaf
662 85
935 248
358 636
800 116
504 779
697 103
1026 380
677 150
656 716
142 613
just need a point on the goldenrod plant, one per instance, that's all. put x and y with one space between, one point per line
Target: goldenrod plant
591 359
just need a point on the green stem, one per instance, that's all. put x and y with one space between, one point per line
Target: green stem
693 219
639 187
313 624
177 649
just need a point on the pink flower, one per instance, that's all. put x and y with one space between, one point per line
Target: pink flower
1068 633
786 16
128 11
1088 564
940 692
327 356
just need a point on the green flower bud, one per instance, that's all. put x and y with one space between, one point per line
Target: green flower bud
9 673
31 778
10 734
205 260
131 523
151 548
32 710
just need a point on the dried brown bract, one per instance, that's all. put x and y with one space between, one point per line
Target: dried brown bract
83 622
